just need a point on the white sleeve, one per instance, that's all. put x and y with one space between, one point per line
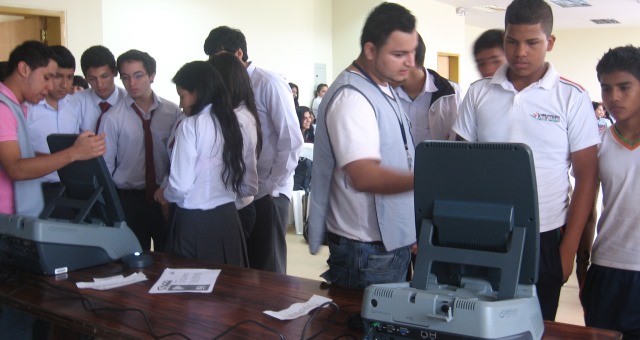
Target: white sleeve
353 128
183 162
465 125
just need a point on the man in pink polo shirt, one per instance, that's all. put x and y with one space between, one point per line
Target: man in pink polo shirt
29 77
30 72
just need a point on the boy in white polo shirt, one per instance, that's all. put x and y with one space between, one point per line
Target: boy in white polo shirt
611 292
526 101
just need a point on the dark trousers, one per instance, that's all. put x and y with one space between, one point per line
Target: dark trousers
611 300
550 273
267 244
144 218
281 206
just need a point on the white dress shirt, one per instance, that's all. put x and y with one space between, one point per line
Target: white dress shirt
87 103
125 141
195 180
43 120
281 135
250 138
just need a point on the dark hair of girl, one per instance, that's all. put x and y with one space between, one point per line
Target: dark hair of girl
201 78
238 83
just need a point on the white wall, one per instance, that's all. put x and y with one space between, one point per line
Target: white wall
282 35
286 36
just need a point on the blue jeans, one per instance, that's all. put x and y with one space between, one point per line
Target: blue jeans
358 264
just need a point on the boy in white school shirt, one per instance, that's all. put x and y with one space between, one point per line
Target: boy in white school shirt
526 101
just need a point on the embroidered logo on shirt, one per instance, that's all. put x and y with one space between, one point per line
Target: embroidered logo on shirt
545 117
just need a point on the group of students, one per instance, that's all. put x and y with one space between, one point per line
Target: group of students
211 181
226 160
362 204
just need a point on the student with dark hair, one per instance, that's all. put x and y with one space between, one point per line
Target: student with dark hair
31 70
430 101
99 68
137 158
526 101
610 294
302 175
295 91
79 84
56 113
488 51
237 81
600 112
321 89
3 69
267 244
207 170
362 198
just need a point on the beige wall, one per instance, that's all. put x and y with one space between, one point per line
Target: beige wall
576 53
298 35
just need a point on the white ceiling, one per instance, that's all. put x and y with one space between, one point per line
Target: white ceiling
627 12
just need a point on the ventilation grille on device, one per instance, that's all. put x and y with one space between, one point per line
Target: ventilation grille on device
465 304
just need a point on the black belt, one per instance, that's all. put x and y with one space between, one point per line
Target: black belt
131 192
51 185
336 239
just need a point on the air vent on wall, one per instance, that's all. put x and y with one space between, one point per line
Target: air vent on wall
605 21
571 3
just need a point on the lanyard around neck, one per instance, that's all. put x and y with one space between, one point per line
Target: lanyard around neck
400 123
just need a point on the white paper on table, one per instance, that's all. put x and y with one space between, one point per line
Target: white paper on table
299 309
185 281
106 283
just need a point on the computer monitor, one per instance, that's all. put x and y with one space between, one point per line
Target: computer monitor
87 188
476 214
95 235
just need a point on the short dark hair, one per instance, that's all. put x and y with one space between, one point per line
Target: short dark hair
147 61
623 58
530 12
489 39
384 20
3 69
65 58
421 51
98 56
80 81
595 105
320 86
33 53
225 38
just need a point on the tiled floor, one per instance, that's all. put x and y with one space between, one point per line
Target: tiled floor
301 263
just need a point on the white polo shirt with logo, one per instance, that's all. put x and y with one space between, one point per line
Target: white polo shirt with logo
553 116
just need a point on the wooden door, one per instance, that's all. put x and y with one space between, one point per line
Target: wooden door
13 33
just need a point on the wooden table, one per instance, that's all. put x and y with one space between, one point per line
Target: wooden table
239 294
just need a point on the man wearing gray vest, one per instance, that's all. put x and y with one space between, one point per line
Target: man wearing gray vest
362 198
31 69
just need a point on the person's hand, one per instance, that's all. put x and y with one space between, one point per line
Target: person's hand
581 271
567 264
414 249
88 145
158 196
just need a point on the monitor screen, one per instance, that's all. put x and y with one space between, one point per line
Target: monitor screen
88 188
479 203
